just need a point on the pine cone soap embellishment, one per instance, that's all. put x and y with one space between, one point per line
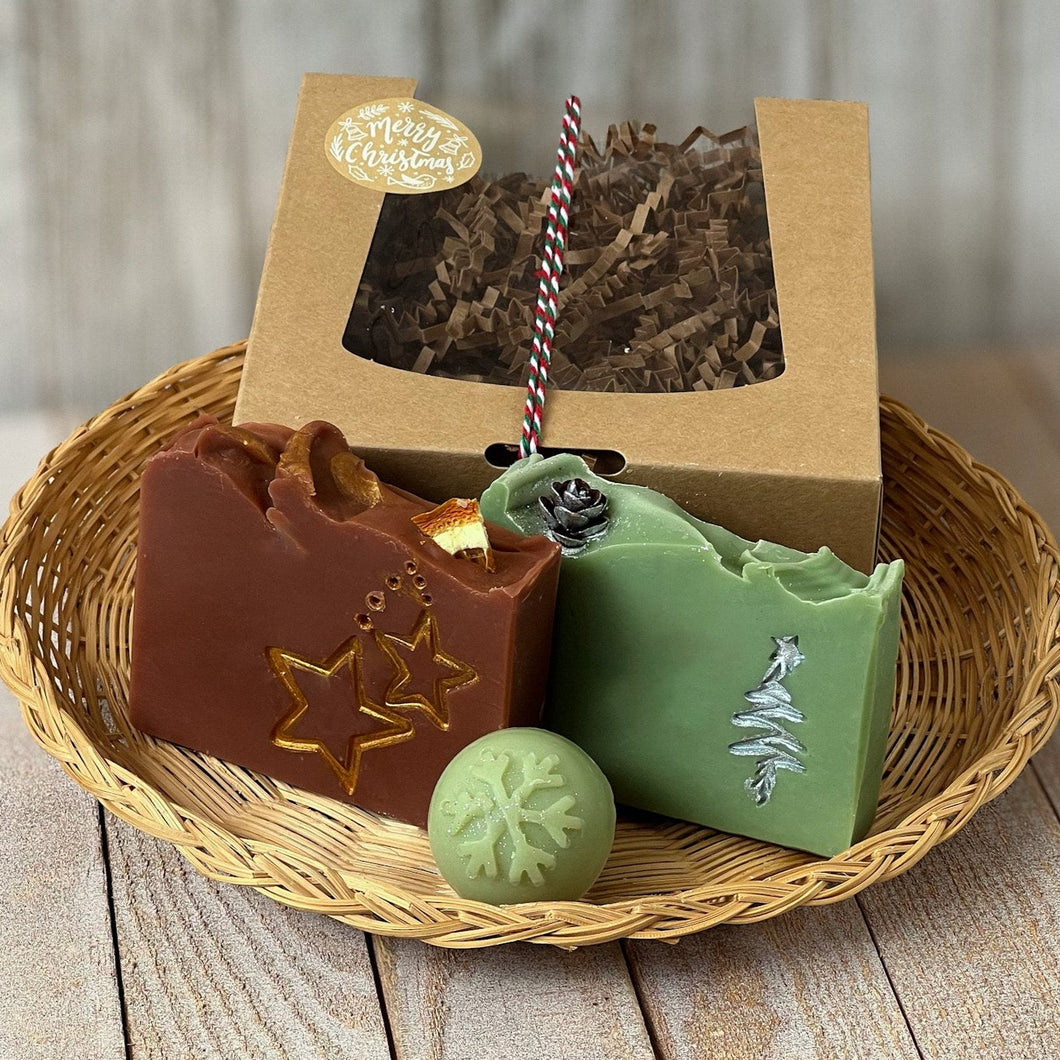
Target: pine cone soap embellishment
576 515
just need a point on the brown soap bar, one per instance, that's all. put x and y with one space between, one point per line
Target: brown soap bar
291 617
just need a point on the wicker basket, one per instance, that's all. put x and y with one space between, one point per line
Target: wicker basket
977 697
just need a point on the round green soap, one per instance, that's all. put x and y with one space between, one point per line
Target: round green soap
521 815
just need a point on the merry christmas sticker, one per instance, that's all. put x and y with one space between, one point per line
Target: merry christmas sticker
402 146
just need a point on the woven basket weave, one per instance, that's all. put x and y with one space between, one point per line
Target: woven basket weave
977 696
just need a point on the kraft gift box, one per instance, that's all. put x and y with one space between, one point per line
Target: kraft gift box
795 459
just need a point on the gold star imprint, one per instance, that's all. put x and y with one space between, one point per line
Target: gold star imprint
398 693
396 729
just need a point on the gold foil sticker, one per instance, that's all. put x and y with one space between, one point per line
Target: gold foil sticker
402 146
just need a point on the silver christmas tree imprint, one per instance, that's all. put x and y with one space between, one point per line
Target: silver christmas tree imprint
773 746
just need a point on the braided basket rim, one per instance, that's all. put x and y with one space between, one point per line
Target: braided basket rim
294 878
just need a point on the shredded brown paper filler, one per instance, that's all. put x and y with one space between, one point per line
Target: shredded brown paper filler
668 283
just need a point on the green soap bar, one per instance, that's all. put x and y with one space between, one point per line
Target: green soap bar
741 685
521 815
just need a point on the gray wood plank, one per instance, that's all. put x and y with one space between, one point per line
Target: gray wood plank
719 60
930 74
510 1002
798 985
1026 304
506 68
1037 374
992 404
275 43
134 165
58 984
24 439
16 277
971 937
216 971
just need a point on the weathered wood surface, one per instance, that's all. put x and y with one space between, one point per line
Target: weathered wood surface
137 233
799 985
141 146
510 1003
213 971
58 995
58 986
1005 410
971 937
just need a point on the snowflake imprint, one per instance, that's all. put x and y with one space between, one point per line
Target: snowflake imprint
500 815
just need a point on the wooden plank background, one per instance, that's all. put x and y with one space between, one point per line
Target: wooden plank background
141 147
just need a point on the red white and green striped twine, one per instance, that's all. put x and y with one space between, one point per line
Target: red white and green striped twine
551 269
